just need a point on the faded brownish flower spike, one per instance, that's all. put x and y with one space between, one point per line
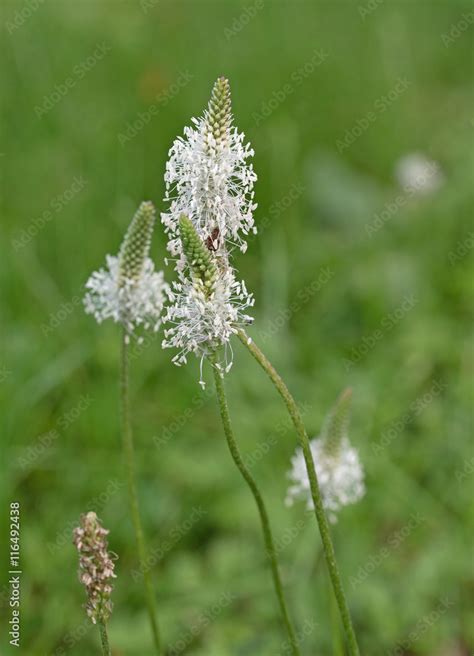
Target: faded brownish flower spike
96 567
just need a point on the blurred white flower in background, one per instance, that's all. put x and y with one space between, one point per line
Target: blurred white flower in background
418 174
338 467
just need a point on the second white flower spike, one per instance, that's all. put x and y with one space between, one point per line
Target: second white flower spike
207 303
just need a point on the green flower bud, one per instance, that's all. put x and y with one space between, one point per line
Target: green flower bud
199 259
337 423
219 110
136 244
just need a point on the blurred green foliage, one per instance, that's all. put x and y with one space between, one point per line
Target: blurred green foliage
304 75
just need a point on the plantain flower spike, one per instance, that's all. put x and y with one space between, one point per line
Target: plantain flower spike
209 179
207 303
129 290
338 467
96 566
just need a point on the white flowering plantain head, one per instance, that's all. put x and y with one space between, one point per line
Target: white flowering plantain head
129 291
208 178
338 468
207 303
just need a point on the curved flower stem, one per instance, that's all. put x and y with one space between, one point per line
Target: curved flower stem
265 522
315 491
104 639
336 628
132 490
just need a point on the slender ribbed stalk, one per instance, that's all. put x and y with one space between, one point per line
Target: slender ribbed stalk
315 491
104 639
130 466
265 522
336 628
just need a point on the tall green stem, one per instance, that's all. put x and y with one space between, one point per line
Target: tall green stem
336 628
265 522
130 466
104 639
315 491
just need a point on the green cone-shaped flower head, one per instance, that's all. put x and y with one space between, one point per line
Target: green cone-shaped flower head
198 257
219 110
136 244
337 423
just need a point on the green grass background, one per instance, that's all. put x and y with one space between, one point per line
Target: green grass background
411 533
